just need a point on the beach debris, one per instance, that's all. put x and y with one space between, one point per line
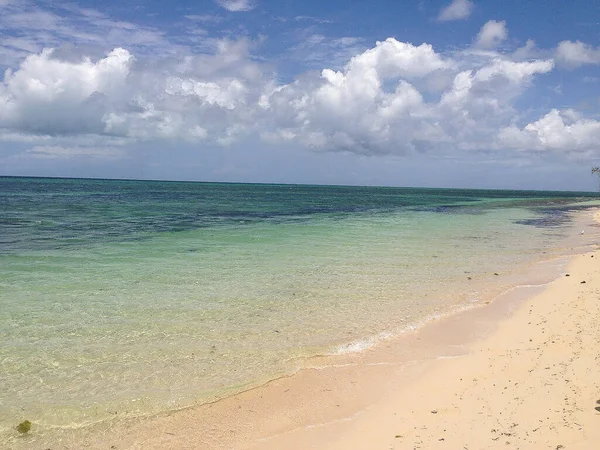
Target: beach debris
496 273
583 282
567 275
434 411
398 436
468 278
24 427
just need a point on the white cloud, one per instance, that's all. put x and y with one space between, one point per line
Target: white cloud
19 136
373 105
492 34
528 51
379 101
237 5
204 97
575 54
558 130
59 152
69 28
228 94
392 58
457 10
515 72
48 95
312 19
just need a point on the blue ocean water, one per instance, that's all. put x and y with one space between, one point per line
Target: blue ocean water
135 297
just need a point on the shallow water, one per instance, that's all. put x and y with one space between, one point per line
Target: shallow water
125 298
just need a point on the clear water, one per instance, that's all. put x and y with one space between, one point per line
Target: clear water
125 298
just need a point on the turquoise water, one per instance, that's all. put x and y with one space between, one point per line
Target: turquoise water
125 298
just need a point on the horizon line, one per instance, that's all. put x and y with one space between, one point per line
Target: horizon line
288 184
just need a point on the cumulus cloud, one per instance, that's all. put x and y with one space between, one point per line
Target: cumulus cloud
236 5
492 34
387 99
575 54
373 105
392 58
457 10
206 96
557 130
51 96
360 108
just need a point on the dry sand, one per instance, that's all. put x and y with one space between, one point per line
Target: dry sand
521 372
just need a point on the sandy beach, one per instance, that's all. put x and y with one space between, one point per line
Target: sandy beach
520 372
534 383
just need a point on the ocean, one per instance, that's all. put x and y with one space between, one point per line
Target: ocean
130 298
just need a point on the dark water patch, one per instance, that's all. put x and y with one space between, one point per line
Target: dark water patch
549 218
450 209
43 213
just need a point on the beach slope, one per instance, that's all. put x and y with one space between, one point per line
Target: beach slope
532 383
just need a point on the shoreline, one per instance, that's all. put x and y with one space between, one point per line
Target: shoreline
447 401
326 392
532 382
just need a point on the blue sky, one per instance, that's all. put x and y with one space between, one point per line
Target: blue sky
409 93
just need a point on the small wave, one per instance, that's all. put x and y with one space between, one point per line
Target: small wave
451 356
361 344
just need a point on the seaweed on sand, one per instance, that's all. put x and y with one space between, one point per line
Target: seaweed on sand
24 427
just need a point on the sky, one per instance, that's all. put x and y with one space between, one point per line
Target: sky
435 93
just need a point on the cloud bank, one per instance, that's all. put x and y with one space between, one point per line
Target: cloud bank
393 98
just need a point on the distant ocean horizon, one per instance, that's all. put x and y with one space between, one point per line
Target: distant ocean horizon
125 298
283 183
